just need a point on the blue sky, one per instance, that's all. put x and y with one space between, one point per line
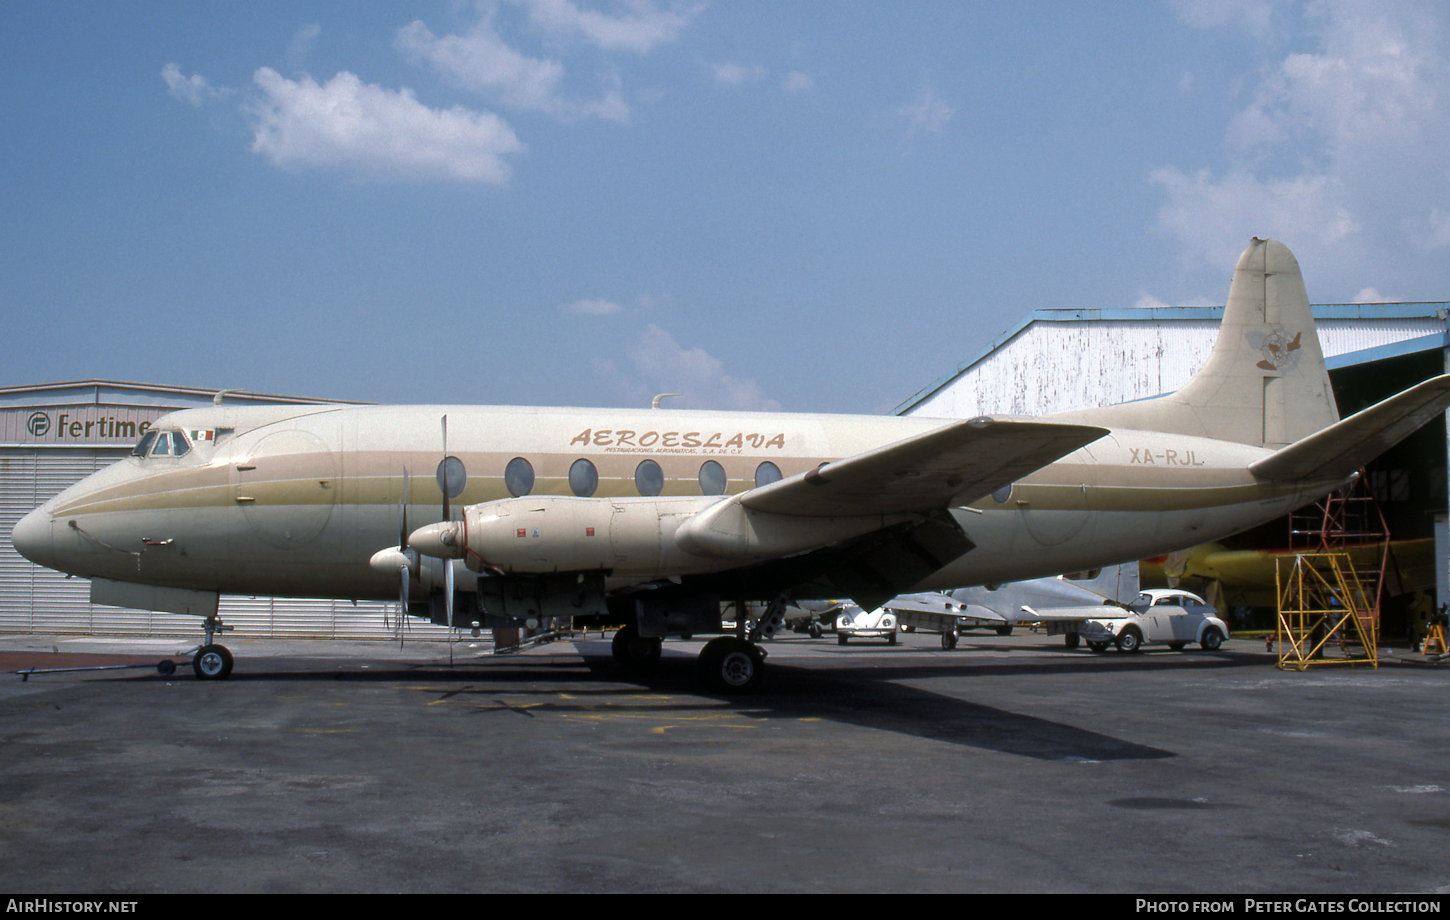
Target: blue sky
812 206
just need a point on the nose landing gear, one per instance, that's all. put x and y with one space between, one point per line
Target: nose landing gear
212 661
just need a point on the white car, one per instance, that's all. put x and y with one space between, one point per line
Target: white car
1158 615
853 622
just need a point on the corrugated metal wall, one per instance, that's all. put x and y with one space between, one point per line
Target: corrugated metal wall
37 600
1057 366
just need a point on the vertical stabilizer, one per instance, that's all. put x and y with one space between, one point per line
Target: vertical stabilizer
1265 382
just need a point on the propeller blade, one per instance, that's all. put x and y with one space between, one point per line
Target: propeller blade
444 474
403 508
404 576
448 590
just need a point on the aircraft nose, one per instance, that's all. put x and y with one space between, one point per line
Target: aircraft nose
32 536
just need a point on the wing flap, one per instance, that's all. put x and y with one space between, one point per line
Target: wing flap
1347 445
959 462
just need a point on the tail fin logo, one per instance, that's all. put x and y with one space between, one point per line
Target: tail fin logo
1280 354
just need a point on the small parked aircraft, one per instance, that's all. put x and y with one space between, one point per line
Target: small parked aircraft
650 518
1002 607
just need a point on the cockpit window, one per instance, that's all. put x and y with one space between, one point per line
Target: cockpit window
144 445
170 444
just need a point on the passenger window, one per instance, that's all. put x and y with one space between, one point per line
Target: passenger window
451 476
649 479
583 478
518 477
767 473
712 478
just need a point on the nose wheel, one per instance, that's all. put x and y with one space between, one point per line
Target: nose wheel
212 661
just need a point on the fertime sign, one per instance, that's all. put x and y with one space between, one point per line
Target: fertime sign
79 425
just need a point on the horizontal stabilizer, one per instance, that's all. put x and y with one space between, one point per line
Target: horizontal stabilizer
961 461
1346 446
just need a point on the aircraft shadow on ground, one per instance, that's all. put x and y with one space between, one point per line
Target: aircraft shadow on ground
867 696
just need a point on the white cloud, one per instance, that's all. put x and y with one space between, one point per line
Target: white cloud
926 112
1370 295
797 82
193 89
598 307
1430 231
348 124
302 41
1259 18
1336 150
640 29
732 74
481 62
1216 216
662 365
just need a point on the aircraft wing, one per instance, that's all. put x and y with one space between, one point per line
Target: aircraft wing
1349 444
929 602
961 462
1046 614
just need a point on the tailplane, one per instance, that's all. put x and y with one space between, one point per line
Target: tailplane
1265 382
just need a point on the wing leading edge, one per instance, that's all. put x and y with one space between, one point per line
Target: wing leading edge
876 522
956 463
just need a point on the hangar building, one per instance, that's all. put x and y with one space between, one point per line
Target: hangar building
1059 360
54 435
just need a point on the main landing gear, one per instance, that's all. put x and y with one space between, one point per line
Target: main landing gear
212 661
731 665
727 664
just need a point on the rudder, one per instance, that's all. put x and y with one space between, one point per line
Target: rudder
1265 382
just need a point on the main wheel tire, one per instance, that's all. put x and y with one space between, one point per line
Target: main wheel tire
1071 639
1098 646
1130 640
1004 630
212 662
1212 639
634 652
948 640
730 665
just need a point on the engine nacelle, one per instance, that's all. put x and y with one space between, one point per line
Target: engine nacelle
558 533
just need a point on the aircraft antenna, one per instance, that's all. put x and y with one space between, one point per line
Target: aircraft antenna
657 399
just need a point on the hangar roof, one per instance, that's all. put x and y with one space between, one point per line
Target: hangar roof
1070 362
120 393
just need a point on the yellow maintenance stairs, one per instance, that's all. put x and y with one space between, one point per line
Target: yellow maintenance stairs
1329 590
1323 606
